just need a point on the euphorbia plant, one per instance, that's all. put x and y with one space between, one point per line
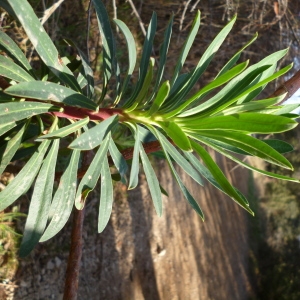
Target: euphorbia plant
52 115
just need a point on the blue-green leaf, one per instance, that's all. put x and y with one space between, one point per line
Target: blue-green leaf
13 51
118 160
63 200
50 91
134 172
106 196
12 71
40 202
42 42
90 178
94 136
15 111
152 180
131 55
184 190
64 131
24 179
10 148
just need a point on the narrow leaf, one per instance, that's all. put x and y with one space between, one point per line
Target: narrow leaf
118 160
177 135
43 90
106 196
40 202
153 183
13 51
134 172
145 60
10 148
90 178
131 55
64 131
15 111
24 179
42 42
180 160
63 200
240 162
94 136
244 122
184 190
186 47
219 176
12 71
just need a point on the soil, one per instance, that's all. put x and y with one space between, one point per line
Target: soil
143 256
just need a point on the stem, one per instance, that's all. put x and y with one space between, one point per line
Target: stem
72 273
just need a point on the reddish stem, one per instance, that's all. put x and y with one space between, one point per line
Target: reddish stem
72 273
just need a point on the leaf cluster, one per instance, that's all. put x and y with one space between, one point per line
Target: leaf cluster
52 115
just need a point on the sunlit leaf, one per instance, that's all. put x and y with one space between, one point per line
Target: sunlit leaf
24 179
40 202
43 90
94 136
64 197
15 111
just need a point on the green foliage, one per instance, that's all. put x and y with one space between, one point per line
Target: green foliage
59 108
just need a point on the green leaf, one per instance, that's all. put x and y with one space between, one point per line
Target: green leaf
10 148
225 153
106 196
13 51
12 71
219 176
63 200
145 61
15 111
186 47
180 160
184 190
90 178
250 145
94 136
40 202
131 55
238 84
177 135
108 42
153 183
214 84
141 96
87 72
7 126
42 42
43 90
208 175
244 122
163 56
201 66
254 106
118 160
24 179
236 56
64 131
161 96
134 172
